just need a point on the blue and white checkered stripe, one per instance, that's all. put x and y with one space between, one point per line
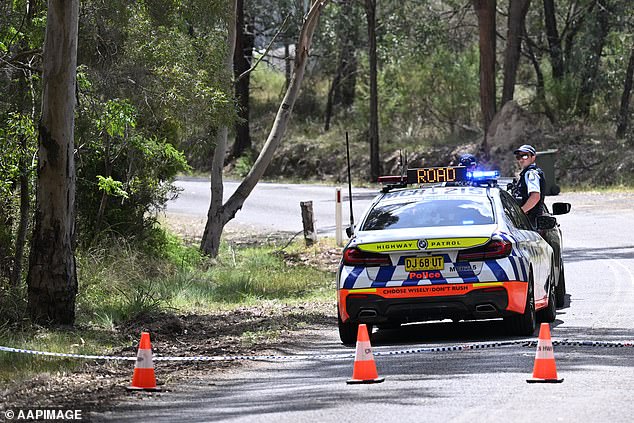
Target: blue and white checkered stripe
501 270
511 268
516 260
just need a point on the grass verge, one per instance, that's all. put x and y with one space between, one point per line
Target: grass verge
122 284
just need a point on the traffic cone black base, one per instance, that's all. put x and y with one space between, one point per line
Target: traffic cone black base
544 380
355 381
545 369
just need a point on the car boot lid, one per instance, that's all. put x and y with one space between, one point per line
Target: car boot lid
423 239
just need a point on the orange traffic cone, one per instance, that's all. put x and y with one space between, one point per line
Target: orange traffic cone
364 370
143 378
545 370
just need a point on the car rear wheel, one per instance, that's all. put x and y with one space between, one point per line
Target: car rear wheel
524 324
348 331
549 314
560 292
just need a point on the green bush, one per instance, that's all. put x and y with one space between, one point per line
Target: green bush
123 174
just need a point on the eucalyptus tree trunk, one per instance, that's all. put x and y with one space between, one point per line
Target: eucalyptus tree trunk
624 110
287 63
539 75
342 88
485 9
219 214
517 14
6 238
590 69
373 129
52 277
243 55
578 14
210 243
554 41
26 85
25 206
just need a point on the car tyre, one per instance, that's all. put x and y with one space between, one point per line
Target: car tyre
526 323
560 291
348 331
549 314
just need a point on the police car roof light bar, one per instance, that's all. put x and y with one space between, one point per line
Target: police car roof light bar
391 179
478 175
483 177
433 176
349 183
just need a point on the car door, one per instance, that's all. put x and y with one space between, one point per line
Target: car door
532 245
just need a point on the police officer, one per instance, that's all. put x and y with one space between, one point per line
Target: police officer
531 184
469 161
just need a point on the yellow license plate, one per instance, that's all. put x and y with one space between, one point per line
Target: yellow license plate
413 264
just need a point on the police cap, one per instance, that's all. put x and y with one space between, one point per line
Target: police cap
526 148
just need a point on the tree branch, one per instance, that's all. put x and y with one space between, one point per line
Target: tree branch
252 68
234 203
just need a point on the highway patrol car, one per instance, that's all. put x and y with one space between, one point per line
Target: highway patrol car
456 247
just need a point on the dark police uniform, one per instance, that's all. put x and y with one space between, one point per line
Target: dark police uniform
529 179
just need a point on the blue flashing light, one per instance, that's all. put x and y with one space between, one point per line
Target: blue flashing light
483 175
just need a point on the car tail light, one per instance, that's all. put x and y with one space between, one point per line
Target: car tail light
491 250
494 289
358 296
356 257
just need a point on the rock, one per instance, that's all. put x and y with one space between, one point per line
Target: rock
511 127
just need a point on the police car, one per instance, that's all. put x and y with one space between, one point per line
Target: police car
455 246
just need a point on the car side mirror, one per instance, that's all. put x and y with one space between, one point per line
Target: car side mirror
546 222
349 231
561 208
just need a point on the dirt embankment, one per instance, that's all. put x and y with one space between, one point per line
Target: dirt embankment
585 157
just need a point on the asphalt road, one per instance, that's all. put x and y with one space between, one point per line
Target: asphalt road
478 385
273 207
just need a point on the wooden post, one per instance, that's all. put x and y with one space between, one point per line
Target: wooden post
338 222
309 223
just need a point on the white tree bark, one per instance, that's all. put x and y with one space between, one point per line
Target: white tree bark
211 236
52 278
218 218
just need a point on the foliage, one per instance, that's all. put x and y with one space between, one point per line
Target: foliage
14 129
111 187
440 93
123 174
141 101
138 101
243 165
17 132
117 287
256 273
22 25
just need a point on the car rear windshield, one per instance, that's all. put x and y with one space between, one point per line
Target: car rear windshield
429 213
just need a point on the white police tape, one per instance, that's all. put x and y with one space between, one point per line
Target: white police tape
448 348
604 344
54 354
